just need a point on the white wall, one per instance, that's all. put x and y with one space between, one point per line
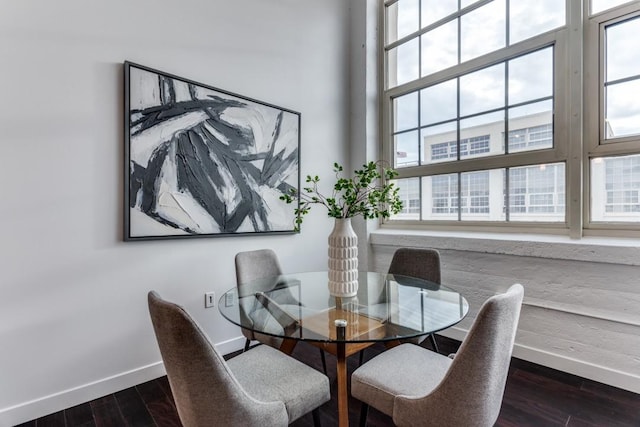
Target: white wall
73 318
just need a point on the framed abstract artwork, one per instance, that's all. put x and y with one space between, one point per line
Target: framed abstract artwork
201 161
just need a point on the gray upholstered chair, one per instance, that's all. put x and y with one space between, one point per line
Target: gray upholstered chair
259 264
418 387
420 263
252 265
262 387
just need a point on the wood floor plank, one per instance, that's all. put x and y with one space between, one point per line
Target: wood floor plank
517 416
52 420
523 400
614 394
106 412
80 415
375 419
163 382
576 422
554 395
133 409
546 372
158 404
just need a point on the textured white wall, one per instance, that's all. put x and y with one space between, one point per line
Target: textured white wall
73 318
580 312
364 103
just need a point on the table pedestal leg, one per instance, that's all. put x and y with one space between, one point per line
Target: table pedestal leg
343 394
341 368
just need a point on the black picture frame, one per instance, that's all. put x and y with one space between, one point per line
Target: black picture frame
204 162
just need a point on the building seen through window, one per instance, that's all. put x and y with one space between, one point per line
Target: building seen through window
536 193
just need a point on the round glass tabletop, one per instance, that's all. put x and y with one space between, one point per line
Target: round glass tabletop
387 307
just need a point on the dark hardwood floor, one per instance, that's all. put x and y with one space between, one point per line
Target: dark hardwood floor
534 396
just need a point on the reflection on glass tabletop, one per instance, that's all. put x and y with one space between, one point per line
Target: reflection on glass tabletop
387 307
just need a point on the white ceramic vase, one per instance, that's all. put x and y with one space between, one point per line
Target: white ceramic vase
343 259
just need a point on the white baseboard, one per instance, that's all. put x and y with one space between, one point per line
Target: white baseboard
55 402
45 405
599 373
229 346
603 374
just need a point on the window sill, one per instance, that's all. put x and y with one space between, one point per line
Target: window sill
590 249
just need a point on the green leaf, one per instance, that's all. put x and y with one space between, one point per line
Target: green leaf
367 192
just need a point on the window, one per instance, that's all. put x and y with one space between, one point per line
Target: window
479 102
448 200
468 147
616 188
602 5
613 123
410 195
444 194
471 112
475 193
622 179
537 193
527 138
621 77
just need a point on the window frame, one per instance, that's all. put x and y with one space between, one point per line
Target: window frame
576 118
556 38
596 145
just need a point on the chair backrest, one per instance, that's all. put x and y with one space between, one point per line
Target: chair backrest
205 391
471 392
252 265
421 263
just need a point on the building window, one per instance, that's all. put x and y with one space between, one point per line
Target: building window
468 147
616 189
480 98
537 193
533 137
622 183
444 190
410 195
475 193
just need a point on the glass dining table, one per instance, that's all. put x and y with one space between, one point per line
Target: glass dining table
298 307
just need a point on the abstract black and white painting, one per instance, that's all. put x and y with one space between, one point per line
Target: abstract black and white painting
201 161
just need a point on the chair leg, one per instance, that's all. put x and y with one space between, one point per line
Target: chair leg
247 343
324 362
364 412
361 358
432 338
316 417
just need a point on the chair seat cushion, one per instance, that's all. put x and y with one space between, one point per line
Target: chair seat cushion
268 375
405 370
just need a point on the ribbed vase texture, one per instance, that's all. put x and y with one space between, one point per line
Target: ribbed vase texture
343 259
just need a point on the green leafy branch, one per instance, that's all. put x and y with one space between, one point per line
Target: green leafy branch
366 194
